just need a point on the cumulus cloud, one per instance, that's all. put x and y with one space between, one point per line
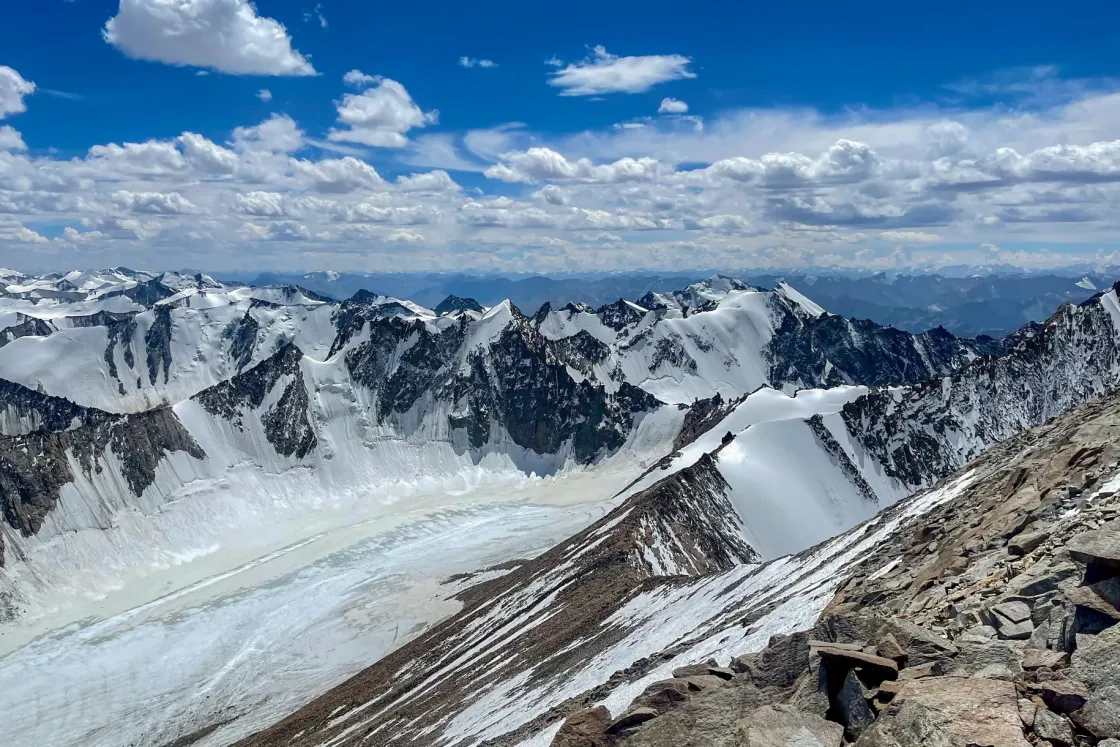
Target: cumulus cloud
408 237
473 62
379 116
222 35
541 164
10 139
604 73
672 106
13 89
264 95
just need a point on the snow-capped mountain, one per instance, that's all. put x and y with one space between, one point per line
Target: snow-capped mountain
160 431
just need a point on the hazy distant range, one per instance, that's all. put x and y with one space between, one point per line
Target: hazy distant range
970 305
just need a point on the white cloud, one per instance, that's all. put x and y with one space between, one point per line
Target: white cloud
910 237
380 116
358 79
154 203
20 234
13 88
223 35
277 134
432 181
264 95
408 237
10 139
473 62
672 106
541 164
607 73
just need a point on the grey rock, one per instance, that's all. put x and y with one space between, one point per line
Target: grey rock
994 659
782 661
701 682
882 666
1099 550
1097 661
1027 712
784 726
851 705
1036 659
1052 727
1100 597
632 717
1020 631
1040 579
889 648
584 728
1025 544
1109 743
723 673
922 646
1063 696
1101 714
665 695
1013 611
978 634
949 712
709 719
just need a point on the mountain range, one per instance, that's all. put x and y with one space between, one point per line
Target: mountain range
161 433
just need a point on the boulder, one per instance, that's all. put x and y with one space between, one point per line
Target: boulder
978 634
1037 659
1101 597
1025 544
922 646
882 667
693 669
700 682
724 673
1063 696
1014 611
994 659
1096 661
1040 579
1109 743
1053 728
949 712
889 648
1101 714
1099 550
633 717
1027 711
584 728
782 661
850 705
784 726
665 695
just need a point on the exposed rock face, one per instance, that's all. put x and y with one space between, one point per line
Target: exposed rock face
927 431
34 466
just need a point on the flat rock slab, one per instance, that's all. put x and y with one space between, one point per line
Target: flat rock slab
785 726
887 666
1014 611
1064 696
633 717
1100 547
949 712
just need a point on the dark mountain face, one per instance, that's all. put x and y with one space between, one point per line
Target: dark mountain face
925 432
454 303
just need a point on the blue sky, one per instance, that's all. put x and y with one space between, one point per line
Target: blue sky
586 135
